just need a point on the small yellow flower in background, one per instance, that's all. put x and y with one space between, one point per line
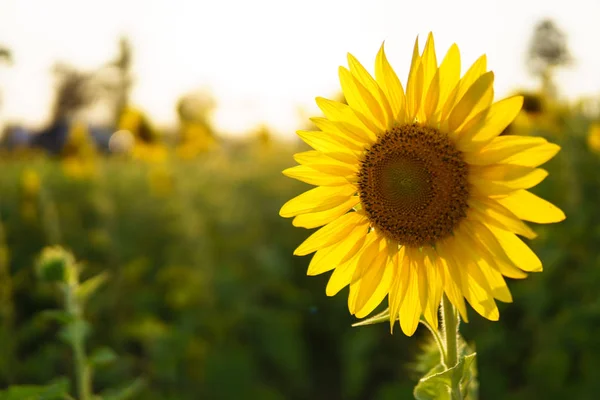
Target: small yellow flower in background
195 140
150 152
593 138
146 145
136 122
30 189
30 182
160 180
417 194
79 168
79 153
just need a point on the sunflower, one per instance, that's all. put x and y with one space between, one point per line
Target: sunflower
593 139
417 194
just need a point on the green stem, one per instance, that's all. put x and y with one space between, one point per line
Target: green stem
437 338
82 370
450 322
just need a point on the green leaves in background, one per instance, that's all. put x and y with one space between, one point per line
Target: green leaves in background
57 390
435 385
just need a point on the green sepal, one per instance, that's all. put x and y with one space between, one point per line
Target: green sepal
436 384
383 316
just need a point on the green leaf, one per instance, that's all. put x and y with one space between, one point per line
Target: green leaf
87 288
435 385
102 356
73 330
381 317
58 390
56 315
126 392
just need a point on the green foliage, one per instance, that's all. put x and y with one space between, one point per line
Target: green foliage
205 299
435 384
53 264
57 390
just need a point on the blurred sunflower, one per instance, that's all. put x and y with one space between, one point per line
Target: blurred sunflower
79 153
417 194
146 139
593 139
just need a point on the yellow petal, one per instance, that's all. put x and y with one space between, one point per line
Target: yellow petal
478 68
497 117
475 287
497 283
519 253
346 130
328 142
431 101
483 267
414 87
361 100
473 102
390 84
314 220
331 257
453 286
449 72
342 275
370 252
314 177
530 207
435 288
378 293
475 71
331 233
491 212
429 66
486 239
500 172
397 293
478 296
325 162
312 157
318 157
410 309
339 112
510 149
429 61
486 187
361 74
317 199
370 281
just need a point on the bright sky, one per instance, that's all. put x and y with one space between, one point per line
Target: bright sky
265 60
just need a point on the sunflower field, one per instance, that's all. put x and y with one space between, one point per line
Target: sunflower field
203 298
149 263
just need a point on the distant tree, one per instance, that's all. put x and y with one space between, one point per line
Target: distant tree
74 91
548 49
5 55
121 67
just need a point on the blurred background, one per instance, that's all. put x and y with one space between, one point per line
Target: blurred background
148 138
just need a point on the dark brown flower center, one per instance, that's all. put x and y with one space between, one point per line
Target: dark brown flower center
413 185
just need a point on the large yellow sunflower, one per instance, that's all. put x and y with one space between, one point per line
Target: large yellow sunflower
417 194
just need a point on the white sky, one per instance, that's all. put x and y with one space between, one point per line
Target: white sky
264 60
